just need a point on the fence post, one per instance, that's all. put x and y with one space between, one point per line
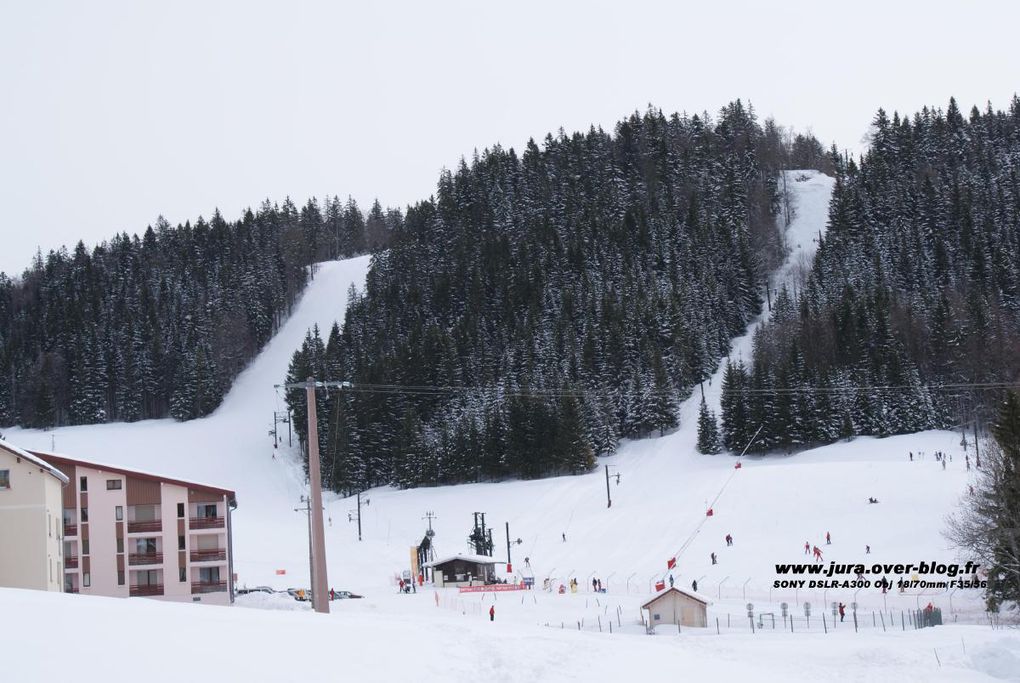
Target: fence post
883 622
855 621
874 624
717 625
824 625
903 621
600 623
751 619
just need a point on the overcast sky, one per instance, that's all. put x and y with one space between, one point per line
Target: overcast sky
114 113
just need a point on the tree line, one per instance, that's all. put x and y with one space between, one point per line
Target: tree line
158 325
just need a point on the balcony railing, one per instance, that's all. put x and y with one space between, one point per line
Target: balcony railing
206 522
70 530
208 555
142 527
208 586
71 590
145 558
150 589
71 562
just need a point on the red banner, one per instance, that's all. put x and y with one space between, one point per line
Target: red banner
281 572
670 563
494 588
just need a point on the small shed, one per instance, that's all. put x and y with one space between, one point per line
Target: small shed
675 606
462 570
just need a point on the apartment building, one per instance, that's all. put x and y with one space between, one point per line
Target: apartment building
31 544
130 533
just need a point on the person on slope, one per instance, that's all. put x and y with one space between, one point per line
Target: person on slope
729 539
694 585
807 548
818 554
842 611
492 613
713 558
670 580
828 538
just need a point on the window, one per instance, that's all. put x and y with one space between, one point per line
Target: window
5 479
85 546
119 513
207 510
209 575
180 543
120 545
86 579
148 578
84 481
49 524
120 577
84 515
180 510
145 546
68 551
113 484
183 574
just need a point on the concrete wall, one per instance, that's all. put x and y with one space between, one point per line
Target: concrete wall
31 531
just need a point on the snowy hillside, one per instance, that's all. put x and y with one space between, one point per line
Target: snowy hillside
771 505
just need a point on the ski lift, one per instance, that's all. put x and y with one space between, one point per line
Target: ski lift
709 513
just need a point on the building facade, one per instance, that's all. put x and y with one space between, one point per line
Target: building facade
674 606
130 533
31 543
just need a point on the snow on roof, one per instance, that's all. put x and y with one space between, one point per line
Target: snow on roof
477 559
690 594
11 448
130 471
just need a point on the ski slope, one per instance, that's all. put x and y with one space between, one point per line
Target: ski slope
771 505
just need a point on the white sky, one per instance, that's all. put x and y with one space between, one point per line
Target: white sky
114 113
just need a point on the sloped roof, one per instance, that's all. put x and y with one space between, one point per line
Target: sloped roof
689 594
34 459
476 559
65 460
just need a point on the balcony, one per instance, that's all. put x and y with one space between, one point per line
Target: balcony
71 562
206 522
145 558
150 589
209 555
70 530
144 527
208 587
72 589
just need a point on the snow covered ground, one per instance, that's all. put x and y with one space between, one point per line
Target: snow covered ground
771 506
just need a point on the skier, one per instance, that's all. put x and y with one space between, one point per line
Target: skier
713 558
401 586
807 548
594 585
564 536
818 554
670 580
492 613
911 456
828 538
729 539
842 611
967 460
943 464
332 595
867 550
600 586
694 585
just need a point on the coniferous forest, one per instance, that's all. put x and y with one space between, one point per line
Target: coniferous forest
914 291
159 325
545 304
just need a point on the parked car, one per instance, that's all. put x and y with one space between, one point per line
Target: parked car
299 594
255 589
345 595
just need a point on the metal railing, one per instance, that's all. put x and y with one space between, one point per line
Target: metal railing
142 527
208 586
71 562
206 523
145 558
70 530
150 589
209 555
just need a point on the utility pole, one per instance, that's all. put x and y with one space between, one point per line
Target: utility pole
307 509
508 544
977 452
609 499
358 513
320 597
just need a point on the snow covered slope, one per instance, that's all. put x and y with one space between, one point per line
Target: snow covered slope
771 506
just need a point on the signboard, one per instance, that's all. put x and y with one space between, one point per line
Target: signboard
529 581
494 588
